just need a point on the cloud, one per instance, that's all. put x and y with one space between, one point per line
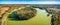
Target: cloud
39 2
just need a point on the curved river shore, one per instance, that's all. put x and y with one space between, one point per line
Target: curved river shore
40 19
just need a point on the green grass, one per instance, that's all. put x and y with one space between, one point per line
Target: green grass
39 19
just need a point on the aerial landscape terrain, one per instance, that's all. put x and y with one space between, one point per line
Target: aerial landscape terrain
29 14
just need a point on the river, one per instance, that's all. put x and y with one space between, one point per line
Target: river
41 18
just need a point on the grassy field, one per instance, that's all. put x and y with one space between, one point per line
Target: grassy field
39 19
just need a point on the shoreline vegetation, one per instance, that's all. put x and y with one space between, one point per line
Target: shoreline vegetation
7 9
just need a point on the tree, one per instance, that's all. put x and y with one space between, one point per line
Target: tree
23 14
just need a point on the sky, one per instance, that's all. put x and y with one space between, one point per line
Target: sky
29 1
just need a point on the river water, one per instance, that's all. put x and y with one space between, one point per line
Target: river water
41 18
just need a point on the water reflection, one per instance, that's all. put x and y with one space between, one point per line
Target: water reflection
14 16
44 11
40 18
